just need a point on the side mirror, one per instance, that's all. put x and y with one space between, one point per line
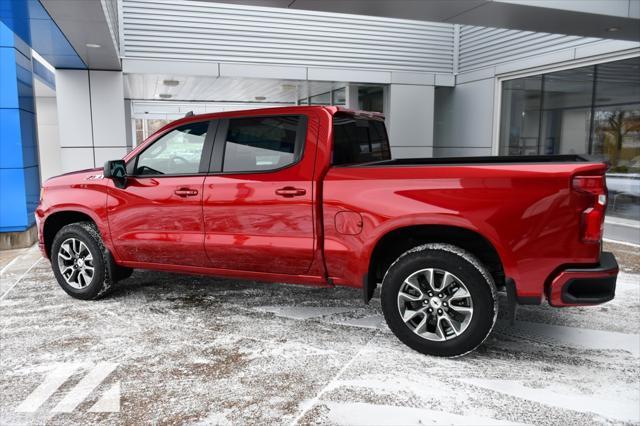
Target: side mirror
117 171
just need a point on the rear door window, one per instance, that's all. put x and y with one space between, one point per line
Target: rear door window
256 144
359 140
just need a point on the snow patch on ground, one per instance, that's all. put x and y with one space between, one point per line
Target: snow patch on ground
627 409
368 414
302 312
574 336
375 322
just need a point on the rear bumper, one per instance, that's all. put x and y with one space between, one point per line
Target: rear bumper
585 286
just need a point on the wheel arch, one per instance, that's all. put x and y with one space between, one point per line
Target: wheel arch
397 241
56 220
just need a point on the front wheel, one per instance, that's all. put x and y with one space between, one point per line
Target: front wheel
80 262
439 300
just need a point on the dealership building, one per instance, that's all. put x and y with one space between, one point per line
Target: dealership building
83 82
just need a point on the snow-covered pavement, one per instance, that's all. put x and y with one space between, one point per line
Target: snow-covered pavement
174 349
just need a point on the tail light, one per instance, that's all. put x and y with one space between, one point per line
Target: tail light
595 190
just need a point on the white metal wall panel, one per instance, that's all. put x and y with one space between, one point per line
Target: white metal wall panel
482 47
198 30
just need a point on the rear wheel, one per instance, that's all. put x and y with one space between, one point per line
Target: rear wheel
80 261
439 300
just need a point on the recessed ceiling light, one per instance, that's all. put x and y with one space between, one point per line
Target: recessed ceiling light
164 95
613 29
170 82
288 87
260 98
93 45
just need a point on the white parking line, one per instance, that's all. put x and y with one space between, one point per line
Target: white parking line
52 382
9 264
624 243
311 403
622 222
19 279
83 389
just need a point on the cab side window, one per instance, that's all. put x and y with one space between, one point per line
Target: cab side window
257 144
176 153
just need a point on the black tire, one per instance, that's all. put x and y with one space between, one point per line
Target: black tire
469 271
101 282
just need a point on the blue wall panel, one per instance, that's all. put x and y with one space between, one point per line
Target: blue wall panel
30 21
29 139
19 168
13 212
32 191
10 139
8 87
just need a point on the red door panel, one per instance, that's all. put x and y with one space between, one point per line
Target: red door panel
158 220
248 226
261 221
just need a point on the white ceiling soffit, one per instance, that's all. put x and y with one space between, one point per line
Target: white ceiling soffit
91 26
212 89
615 19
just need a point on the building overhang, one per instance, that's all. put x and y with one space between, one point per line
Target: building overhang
614 19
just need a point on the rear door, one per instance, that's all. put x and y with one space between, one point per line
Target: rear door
258 201
157 218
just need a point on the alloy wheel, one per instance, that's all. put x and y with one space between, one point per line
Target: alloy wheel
75 263
435 304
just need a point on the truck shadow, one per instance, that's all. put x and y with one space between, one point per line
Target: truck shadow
589 328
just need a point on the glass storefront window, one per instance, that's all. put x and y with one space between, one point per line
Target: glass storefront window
139 131
592 110
616 137
147 127
334 97
339 96
566 111
371 98
320 99
520 122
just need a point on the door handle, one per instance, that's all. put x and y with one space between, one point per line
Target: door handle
290 192
186 192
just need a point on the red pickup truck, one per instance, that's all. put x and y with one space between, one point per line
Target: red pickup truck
311 195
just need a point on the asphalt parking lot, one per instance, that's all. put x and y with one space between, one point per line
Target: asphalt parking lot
171 349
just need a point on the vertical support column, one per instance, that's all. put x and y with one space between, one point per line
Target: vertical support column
108 115
128 124
74 119
19 168
91 114
410 120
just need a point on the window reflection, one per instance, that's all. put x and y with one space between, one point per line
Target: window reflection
591 110
147 127
371 98
520 124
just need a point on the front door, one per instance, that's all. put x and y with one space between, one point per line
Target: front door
157 217
258 202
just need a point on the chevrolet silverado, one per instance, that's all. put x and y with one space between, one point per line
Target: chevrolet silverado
311 195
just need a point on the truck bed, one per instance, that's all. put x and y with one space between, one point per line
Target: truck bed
513 159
